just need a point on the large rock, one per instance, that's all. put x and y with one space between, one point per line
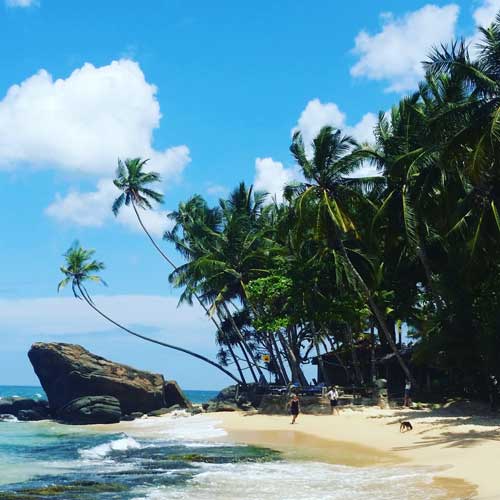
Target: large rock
68 372
175 396
91 410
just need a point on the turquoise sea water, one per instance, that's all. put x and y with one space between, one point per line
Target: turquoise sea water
36 392
177 457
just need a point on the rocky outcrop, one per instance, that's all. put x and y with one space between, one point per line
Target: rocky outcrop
175 396
91 410
234 398
25 408
68 372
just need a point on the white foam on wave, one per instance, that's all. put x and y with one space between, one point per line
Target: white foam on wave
194 430
9 418
184 428
103 450
301 481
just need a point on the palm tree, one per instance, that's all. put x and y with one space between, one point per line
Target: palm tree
80 267
224 249
474 147
133 181
332 195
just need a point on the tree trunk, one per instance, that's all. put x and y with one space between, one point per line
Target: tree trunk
354 358
297 376
243 341
228 343
87 299
324 374
279 358
237 363
174 267
321 365
274 353
373 366
378 314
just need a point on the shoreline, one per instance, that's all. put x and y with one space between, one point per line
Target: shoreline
464 450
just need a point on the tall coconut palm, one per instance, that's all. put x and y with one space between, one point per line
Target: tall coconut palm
332 194
224 251
475 145
80 268
133 181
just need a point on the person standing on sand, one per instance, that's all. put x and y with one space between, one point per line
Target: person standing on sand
333 396
294 407
407 399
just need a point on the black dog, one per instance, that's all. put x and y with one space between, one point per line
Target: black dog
405 426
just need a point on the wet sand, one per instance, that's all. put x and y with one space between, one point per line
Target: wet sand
465 450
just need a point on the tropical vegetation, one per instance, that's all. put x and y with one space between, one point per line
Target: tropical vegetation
405 263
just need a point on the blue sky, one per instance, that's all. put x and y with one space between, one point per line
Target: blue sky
211 92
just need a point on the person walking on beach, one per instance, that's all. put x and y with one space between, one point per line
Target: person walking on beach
294 407
333 396
407 399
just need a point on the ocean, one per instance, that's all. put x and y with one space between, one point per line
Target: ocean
184 460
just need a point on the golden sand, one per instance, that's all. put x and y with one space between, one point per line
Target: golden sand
466 450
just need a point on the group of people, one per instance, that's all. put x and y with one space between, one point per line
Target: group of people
332 395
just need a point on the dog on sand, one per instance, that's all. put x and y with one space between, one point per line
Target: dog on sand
405 426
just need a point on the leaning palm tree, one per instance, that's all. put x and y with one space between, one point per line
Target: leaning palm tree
331 192
80 268
134 183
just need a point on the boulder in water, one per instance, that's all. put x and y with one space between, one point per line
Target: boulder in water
91 410
25 408
175 396
68 372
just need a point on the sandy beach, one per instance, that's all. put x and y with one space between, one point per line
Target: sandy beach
465 449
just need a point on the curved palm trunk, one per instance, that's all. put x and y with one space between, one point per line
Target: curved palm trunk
321 365
148 339
165 256
354 358
244 343
377 313
286 380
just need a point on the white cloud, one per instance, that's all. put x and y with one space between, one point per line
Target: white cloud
363 130
271 176
85 122
486 13
217 190
93 209
483 16
395 54
317 115
20 3
64 316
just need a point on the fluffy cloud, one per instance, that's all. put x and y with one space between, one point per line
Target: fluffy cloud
485 14
395 54
317 115
271 176
93 209
85 122
20 3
